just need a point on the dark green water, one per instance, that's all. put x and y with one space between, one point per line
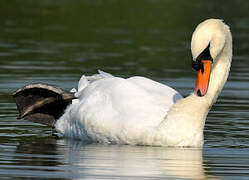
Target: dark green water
58 41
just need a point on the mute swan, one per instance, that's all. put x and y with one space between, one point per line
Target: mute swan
137 110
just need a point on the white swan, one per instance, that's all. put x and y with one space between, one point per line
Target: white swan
140 111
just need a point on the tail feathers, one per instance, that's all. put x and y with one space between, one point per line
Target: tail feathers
42 103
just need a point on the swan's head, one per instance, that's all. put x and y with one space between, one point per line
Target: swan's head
208 41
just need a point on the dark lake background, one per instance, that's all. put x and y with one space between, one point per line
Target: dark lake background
58 41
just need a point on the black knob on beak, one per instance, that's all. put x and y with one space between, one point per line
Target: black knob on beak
197 65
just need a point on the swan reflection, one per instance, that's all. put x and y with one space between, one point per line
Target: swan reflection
112 161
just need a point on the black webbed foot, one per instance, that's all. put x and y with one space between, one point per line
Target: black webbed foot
42 103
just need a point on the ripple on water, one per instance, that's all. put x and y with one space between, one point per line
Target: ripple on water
58 41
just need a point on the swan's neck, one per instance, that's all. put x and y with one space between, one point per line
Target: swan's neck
219 75
184 123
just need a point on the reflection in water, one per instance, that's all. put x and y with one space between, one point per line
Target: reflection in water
48 158
118 162
38 160
56 41
67 159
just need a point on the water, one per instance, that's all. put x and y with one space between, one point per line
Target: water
57 41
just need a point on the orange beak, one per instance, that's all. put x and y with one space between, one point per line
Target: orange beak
203 76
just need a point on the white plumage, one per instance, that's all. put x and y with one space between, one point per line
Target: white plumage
112 109
140 111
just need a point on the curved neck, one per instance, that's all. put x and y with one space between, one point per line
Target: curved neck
184 122
219 74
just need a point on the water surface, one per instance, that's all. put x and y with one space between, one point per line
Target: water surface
58 41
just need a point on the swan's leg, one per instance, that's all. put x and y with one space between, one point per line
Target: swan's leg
41 103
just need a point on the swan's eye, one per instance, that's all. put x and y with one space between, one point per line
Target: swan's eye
205 54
